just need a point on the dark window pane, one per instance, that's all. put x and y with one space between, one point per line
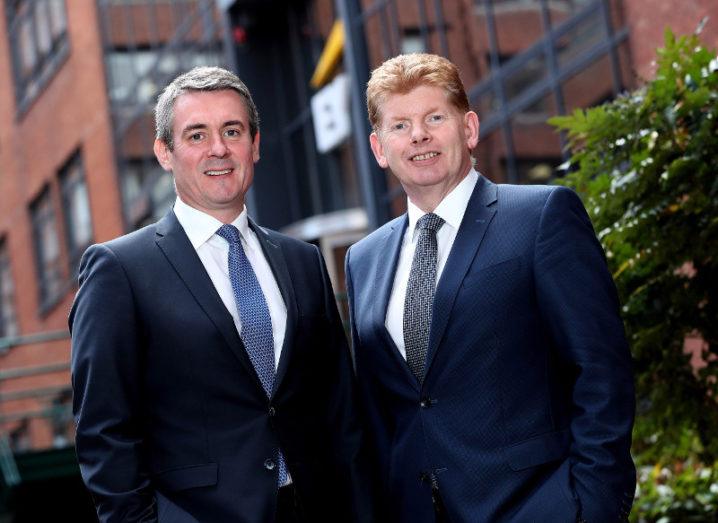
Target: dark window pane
520 83
58 22
564 9
38 40
575 42
47 248
8 322
42 28
76 210
26 43
537 147
132 72
147 190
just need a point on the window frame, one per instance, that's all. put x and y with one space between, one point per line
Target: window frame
49 52
42 209
8 309
69 176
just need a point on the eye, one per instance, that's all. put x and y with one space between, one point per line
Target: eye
435 118
232 133
399 126
195 137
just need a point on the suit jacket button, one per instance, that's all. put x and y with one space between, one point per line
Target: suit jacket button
425 403
272 412
269 464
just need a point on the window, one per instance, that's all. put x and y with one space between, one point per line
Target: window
53 213
76 210
38 38
133 71
148 191
518 81
129 73
47 249
412 41
8 322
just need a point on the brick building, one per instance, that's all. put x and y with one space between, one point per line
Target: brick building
78 80
70 100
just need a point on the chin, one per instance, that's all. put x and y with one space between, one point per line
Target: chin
429 180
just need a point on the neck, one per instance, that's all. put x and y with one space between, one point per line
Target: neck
428 198
226 215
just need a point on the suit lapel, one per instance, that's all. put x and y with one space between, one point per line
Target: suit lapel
384 284
178 250
479 213
278 263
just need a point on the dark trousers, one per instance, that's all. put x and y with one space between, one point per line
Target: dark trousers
288 509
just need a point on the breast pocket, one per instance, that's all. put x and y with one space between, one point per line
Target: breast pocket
497 272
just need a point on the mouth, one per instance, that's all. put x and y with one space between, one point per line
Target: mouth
218 172
424 156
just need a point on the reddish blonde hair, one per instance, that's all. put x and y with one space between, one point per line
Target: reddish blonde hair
403 73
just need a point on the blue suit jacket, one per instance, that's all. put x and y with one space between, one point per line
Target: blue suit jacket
172 422
526 409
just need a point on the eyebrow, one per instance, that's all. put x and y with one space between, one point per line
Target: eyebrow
193 127
229 123
404 117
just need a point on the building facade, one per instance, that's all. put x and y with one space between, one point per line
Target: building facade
78 80
77 167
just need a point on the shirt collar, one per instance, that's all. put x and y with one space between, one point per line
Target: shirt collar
200 226
452 208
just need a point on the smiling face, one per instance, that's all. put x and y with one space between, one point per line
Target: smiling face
214 154
426 142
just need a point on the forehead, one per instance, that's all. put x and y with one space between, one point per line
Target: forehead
418 101
208 108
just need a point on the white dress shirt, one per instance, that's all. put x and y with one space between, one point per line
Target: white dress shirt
213 251
451 209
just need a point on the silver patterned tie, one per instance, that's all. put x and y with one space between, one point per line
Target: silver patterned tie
420 290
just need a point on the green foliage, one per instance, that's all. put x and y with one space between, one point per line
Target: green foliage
646 166
686 492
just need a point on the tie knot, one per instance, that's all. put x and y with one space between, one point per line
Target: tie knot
229 232
430 221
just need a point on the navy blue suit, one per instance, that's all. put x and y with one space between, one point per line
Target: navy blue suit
172 422
526 409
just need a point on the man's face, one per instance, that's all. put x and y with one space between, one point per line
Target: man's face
214 155
425 141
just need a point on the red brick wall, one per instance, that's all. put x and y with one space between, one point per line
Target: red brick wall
70 113
648 19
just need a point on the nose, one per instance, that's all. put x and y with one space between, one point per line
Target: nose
217 147
419 133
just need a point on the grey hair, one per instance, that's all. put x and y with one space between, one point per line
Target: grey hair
200 79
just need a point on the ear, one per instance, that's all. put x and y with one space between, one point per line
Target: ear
255 147
378 149
163 154
471 129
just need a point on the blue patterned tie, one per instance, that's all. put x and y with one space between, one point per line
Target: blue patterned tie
255 319
419 301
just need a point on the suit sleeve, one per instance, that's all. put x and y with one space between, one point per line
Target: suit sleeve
580 308
106 377
370 408
344 423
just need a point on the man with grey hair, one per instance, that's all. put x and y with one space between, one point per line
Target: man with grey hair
212 380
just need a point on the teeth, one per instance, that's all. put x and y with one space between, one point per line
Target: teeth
218 173
426 156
